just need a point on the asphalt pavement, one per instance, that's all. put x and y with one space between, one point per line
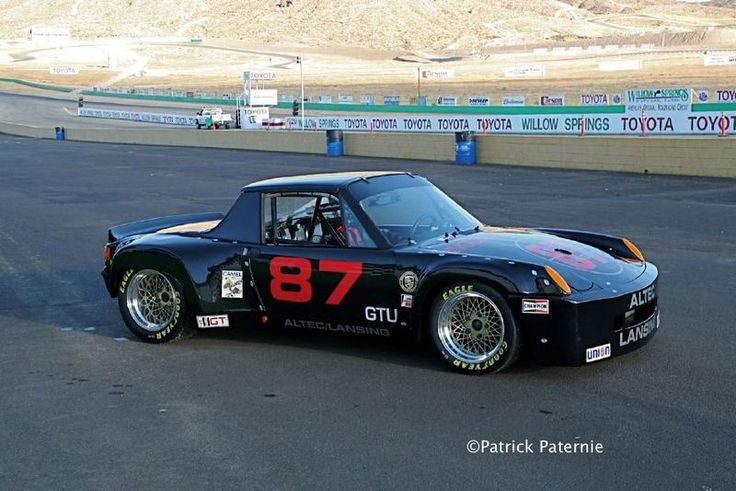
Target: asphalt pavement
83 405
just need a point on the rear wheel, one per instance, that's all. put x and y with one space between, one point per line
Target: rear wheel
473 328
152 305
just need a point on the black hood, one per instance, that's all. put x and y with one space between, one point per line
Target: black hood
582 265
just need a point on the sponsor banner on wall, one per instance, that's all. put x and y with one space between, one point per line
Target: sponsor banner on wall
664 123
252 118
523 71
619 65
658 100
437 74
345 99
479 100
673 123
447 100
552 100
725 95
287 98
367 99
594 99
392 100
64 70
513 100
715 59
617 99
174 119
324 99
702 95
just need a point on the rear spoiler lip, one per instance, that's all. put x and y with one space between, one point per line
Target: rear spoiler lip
151 225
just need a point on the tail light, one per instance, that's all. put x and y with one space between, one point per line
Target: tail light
106 253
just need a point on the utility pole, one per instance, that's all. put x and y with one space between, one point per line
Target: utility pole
301 81
419 86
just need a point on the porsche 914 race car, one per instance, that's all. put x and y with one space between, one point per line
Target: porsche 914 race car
384 254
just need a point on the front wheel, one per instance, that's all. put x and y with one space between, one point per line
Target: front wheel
152 305
473 328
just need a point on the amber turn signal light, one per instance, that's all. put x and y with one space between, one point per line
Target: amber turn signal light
106 253
634 250
558 279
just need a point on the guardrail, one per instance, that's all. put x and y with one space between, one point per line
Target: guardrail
37 85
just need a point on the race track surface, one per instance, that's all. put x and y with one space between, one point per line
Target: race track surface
35 110
86 406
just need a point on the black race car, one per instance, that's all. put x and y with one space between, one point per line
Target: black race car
384 254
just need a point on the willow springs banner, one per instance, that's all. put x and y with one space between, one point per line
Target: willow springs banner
656 123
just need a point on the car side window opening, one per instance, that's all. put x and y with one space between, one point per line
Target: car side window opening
311 219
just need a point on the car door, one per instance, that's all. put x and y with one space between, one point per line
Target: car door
318 268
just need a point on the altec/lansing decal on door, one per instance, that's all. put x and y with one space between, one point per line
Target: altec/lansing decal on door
534 306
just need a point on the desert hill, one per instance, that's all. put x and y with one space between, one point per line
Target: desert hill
374 24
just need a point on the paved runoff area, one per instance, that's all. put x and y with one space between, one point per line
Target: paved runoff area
86 406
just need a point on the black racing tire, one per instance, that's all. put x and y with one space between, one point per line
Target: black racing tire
153 306
485 337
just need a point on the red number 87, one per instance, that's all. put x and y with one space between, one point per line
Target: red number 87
300 289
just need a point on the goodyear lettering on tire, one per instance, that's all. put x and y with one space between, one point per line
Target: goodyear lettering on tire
482 366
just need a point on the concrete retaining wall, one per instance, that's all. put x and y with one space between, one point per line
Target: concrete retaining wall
401 146
24 130
282 141
692 156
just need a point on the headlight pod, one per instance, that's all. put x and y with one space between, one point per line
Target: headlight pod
558 280
633 249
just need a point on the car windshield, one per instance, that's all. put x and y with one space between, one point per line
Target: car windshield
412 214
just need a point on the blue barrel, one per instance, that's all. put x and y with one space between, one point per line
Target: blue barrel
60 133
465 148
335 147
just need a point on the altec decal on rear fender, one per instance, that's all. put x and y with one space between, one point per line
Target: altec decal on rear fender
534 306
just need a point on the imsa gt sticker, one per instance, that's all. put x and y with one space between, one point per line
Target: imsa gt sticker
232 284
210 321
597 353
534 306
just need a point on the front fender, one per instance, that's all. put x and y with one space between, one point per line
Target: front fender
508 277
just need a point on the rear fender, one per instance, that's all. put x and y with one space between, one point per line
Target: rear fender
155 224
161 261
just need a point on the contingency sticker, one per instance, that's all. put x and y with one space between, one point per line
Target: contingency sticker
209 321
232 284
598 353
534 306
